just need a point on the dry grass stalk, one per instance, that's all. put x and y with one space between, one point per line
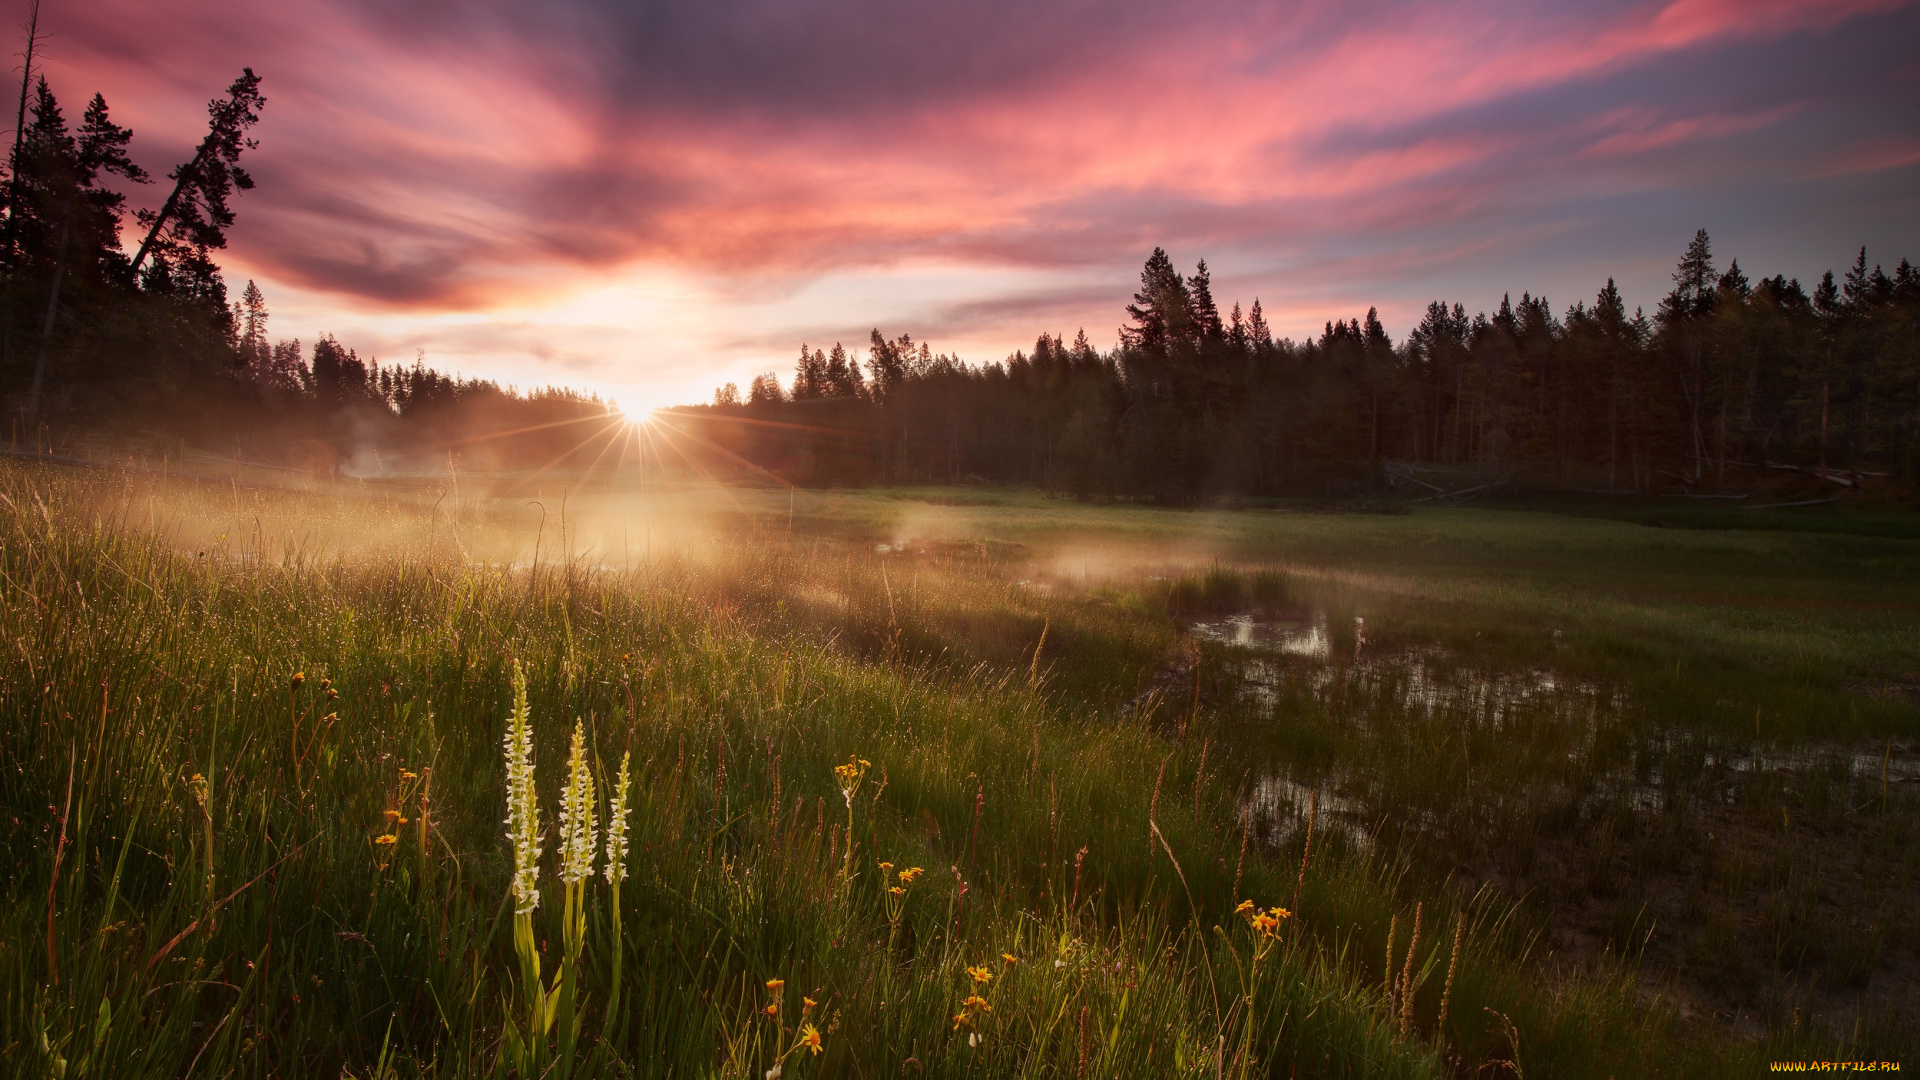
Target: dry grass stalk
1393 928
1246 831
1153 806
1453 968
1406 973
1086 1040
1306 853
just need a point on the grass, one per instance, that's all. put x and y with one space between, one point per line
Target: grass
196 883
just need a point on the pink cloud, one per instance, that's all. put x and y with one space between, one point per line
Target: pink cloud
1876 154
491 166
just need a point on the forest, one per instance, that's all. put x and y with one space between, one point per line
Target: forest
1728 375
146 351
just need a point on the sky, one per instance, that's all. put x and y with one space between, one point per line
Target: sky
646 200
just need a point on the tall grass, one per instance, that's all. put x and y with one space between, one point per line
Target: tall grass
206 874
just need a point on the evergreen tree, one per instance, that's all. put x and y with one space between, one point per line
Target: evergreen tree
1162 311
194 219
1202 312
253 327
1258 335
810 375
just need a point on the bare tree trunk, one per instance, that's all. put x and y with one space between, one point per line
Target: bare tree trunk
20 128
46 324
13 182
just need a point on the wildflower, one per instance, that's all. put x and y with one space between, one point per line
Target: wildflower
981 976
409 774
886 868
1264 922
806 1005
810 1037
1010 959
907 875
976 1002
776 985
773 1009
774 1073
394 816
577 848
616 870
1264 925
973 1038
961 1020
523 807
387 839
897 890
850 775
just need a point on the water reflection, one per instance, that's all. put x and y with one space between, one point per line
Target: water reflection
1306 637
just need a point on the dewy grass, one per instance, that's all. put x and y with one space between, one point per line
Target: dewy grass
733 679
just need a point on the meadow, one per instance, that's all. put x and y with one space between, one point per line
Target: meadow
953 782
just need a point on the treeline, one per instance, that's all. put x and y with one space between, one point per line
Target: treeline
1727 375
101 342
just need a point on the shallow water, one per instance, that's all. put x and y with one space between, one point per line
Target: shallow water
1306 637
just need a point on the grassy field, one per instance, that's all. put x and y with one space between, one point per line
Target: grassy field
1648 794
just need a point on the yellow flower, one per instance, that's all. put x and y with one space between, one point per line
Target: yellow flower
976 1002
1263 922
1245 906
810 1037
776 985
850 775
773 1009
886 868
387 839
1009 958
981 976
409 774
897 891
907 875
960 1020
806 1004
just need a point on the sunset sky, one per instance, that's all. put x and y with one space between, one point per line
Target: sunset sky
648 200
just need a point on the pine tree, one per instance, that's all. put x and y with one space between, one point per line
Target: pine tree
1162 311
195 217
1681 313
1257 333
810 375
253 327
842 376
1202 311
